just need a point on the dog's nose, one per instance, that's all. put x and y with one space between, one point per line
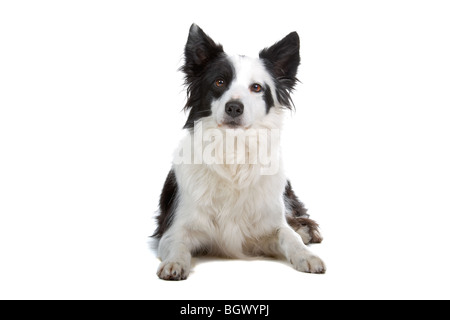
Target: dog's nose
234 108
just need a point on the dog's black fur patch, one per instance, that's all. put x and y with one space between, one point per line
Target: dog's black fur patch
268 98
297 216
295 206
167 205
205 62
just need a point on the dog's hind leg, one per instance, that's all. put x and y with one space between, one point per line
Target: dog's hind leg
286 243
298 218
308 229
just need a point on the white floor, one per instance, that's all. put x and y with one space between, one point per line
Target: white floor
90 104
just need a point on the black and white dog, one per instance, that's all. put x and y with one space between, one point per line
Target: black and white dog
227 194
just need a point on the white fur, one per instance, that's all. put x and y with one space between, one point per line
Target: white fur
231 209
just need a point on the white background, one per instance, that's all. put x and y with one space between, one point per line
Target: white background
90 113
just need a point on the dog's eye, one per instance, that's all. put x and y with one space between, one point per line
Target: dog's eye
256 87
219 83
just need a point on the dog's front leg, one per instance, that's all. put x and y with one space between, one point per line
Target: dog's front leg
175 256
294 250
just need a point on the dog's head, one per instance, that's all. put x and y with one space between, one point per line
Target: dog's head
236 91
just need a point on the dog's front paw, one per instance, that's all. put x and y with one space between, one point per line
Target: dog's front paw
169 270
307 262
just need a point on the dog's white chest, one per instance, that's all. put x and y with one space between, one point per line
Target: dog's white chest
224 215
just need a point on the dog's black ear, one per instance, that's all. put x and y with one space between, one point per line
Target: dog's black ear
283 59
199 50
283 56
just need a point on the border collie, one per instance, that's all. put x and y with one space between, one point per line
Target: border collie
226 194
